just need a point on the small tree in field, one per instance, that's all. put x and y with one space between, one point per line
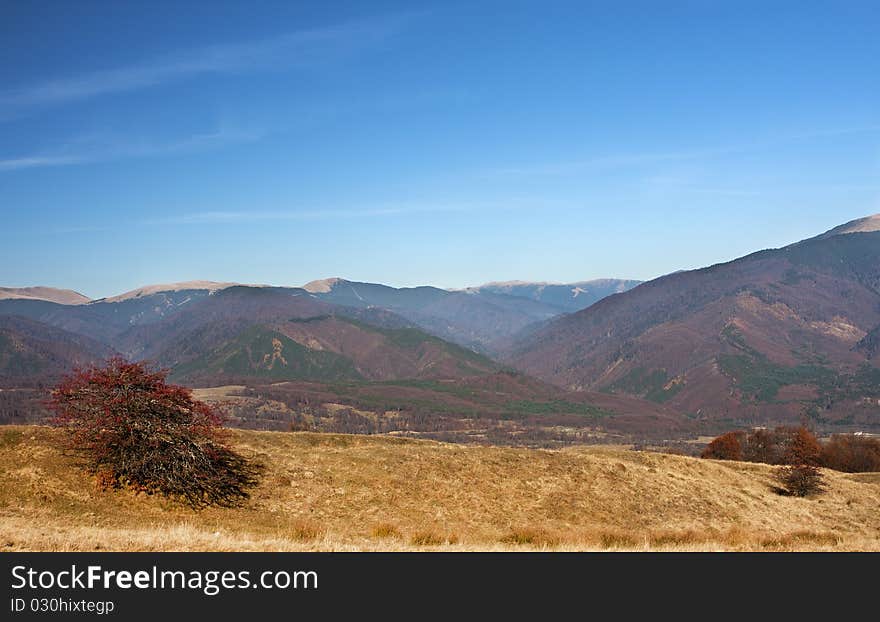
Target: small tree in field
138 431
800 480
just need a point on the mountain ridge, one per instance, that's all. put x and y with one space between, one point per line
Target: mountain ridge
771 336
47 294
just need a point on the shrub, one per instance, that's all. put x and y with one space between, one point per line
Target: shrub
386 530
800 480
137 431
675 538
530 536
426 538
303 531
801 539
616 539
726 447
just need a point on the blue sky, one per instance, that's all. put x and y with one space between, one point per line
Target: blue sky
446 144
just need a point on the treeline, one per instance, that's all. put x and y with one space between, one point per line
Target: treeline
22 406
850 453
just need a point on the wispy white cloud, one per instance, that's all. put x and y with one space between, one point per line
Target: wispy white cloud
297 49
635 160
87 150
368 211
240 217
598 163
65 230
695 186
15 164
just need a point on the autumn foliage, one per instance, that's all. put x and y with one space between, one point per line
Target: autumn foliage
799 452
726 447
138 431
782 445
851 453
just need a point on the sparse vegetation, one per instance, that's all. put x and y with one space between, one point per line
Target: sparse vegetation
529 536
672 538
426 538
304 531
618 539
386 530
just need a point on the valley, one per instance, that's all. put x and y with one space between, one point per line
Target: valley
781 336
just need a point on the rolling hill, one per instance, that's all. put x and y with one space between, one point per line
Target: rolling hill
33 357
778 335
347 493
32 352
328 348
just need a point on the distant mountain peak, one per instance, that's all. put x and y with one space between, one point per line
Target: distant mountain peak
50 294
859 225
149 290
323 286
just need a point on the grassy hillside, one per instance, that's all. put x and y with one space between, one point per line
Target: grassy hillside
339 492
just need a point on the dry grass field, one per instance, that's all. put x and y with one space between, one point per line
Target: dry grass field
378 493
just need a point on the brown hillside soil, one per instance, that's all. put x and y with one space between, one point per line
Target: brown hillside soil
342 492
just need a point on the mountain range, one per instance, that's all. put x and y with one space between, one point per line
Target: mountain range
330 329
782 334
777 336
567 297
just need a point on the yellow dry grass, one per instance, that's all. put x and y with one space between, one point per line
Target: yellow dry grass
343 493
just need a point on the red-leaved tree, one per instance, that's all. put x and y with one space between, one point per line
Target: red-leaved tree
728 446
851 453
802 447
138 431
